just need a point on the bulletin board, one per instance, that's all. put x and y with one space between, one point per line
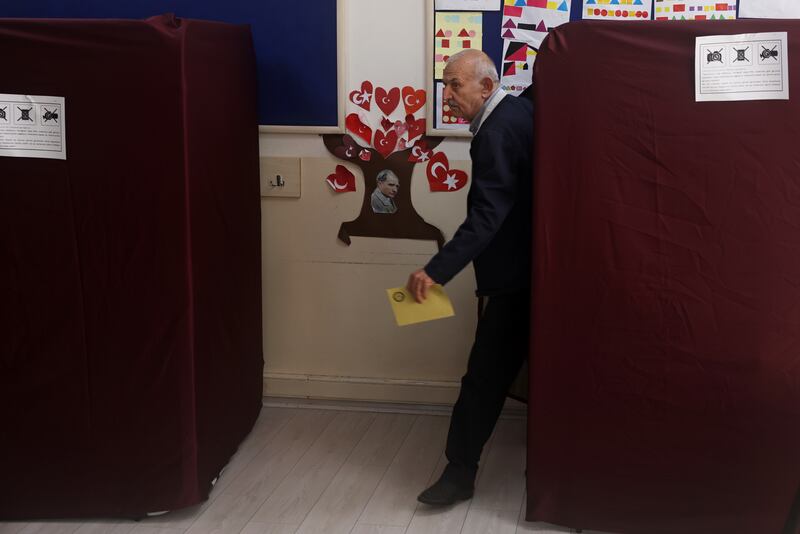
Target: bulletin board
490 29
298 45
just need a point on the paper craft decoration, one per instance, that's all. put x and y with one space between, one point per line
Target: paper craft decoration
532 19
407 311
517 66
769 9
695 10
617 9
386 140
467 5
526 22
441 177
363 97
454 32
342 180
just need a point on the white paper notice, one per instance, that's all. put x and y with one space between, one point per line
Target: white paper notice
769 9
468 5
750 66
32 126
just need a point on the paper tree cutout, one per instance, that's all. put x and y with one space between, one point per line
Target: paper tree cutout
389 136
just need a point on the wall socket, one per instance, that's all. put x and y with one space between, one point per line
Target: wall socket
280 177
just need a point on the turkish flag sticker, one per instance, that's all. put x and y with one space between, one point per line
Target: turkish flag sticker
441 178
413 100
342 180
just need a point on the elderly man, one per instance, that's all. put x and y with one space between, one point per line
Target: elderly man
496 237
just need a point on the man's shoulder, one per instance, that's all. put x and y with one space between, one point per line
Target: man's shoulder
515 108
512 115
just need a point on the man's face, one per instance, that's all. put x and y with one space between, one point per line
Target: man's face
463 92
389 186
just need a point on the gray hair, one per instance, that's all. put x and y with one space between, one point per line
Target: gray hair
384 174
482 64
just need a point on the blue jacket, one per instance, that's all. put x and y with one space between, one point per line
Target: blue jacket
496 235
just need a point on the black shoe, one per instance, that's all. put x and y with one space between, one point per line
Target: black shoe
445 492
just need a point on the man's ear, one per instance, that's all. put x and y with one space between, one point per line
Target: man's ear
487 85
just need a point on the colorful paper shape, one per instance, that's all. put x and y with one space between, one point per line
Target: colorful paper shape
342 180
694 10
387 100
441 177
413 100
363 97
354 124
385 143
454 28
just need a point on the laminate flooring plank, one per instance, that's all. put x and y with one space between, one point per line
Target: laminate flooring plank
377 529
483 521
502 483
106 527
524 527
395 498
341 504
145 529
236 504
51 527
255 527
445 520
301 489
268 425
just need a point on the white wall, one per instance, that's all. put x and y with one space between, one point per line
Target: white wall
328 329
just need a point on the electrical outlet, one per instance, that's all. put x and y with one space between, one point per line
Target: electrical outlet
280 177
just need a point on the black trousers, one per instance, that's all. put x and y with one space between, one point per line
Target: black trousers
501 346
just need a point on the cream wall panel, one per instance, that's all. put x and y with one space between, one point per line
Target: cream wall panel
328 329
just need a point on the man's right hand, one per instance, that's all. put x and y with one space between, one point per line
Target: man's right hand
418 284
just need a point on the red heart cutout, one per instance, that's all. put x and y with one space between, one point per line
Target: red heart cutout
416 127
387 101
385 144
386 124
353 123
363 97
342 180
348 149
413 100
400 127
441 178
419 152
365 155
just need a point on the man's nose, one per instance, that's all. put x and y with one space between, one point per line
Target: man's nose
446 93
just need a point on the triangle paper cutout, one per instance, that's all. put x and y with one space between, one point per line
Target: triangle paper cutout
563 7
518 54
440 33
541 27
511 69
510 24
508 35
463 33
520 3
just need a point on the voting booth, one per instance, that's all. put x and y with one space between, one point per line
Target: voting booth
130 336
665 376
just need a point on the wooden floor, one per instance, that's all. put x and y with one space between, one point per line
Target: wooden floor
310 470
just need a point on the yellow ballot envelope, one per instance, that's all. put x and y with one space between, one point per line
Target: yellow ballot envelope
409 311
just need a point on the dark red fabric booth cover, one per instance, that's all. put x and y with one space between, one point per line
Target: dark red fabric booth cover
665 364
130 293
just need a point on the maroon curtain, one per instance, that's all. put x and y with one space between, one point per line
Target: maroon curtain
130 315
665 366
